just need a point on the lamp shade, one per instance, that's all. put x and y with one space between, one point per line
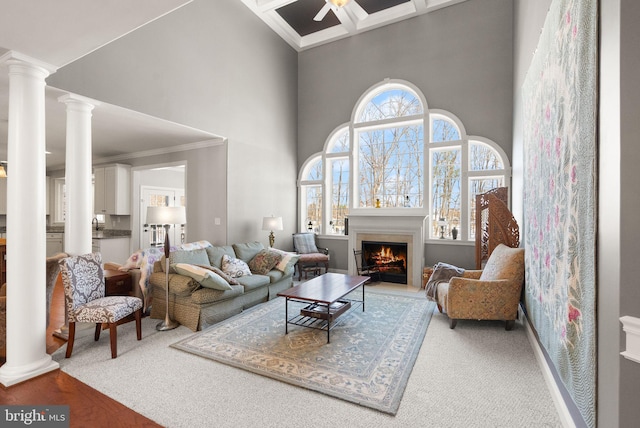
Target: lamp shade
272 223
166 215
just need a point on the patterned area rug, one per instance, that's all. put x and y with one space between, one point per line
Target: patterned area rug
368 361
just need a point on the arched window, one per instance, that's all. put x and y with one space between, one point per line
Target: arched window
382 158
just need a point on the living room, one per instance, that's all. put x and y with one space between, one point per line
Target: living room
216 67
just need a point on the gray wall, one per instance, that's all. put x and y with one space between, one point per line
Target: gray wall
629 230
460 57
215 66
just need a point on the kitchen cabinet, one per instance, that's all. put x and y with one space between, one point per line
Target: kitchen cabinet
55 243
112 249
112 189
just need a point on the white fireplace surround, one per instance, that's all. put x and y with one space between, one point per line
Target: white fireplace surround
390 226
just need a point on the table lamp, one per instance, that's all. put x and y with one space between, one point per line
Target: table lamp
166 216
272 223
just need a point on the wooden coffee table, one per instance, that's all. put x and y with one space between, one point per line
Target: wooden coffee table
326 300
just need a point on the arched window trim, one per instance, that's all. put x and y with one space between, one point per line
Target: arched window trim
426 119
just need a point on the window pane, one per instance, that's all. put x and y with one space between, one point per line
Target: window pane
390 104
446 200
476 187
314 208
314 170
443 130
340 144
391 166
483 158
339 195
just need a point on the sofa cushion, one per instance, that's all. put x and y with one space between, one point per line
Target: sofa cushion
209 295
235 268
191 257
264 261
205 277
215 254
305 243
254 281
247 251
504 263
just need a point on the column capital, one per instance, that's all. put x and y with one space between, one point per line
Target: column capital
13 57
78 101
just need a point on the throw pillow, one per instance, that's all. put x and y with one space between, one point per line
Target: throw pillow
224 276
504 263
192 257
264 261
235 268
305 243
287 261
204 277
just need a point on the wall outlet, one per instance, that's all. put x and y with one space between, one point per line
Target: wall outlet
216 221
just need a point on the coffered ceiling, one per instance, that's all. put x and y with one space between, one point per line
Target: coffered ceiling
294 20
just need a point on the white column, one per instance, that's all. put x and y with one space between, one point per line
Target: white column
26 222
79 192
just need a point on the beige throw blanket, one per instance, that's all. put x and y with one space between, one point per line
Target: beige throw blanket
442 272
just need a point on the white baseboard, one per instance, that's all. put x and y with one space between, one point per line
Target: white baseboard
556 395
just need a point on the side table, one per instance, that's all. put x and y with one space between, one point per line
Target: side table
117 283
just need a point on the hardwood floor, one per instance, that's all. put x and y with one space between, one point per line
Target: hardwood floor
87 406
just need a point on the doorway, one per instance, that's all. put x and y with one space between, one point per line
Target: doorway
157 185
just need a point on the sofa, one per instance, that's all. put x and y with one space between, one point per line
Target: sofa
198 302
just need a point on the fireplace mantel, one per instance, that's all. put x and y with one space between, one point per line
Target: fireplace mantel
391 225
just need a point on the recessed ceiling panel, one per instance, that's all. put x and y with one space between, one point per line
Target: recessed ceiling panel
299 15
373 6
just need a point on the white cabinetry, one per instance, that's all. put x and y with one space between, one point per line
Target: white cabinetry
112 249
112 189
55 243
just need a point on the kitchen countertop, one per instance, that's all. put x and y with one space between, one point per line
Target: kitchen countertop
100 234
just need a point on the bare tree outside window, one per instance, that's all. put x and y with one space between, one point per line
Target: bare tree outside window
391 155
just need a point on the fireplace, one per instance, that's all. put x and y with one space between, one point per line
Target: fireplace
389 257
405 225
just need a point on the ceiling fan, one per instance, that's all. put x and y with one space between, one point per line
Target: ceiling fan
330 5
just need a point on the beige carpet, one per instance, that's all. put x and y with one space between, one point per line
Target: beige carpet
478 375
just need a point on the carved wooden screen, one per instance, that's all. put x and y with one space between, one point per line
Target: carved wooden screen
494 224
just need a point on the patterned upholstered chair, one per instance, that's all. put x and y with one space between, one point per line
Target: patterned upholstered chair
311 258
490 294
84 292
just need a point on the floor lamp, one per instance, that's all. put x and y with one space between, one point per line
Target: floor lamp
166 216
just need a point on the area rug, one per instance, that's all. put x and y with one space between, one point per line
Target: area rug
368 361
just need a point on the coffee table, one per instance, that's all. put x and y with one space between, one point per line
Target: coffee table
325 295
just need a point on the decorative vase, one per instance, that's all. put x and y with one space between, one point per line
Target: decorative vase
454 232
377 203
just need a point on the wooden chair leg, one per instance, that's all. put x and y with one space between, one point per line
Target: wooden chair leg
452 323
139 323
96 336
440 307
113 334
509 325
72 336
